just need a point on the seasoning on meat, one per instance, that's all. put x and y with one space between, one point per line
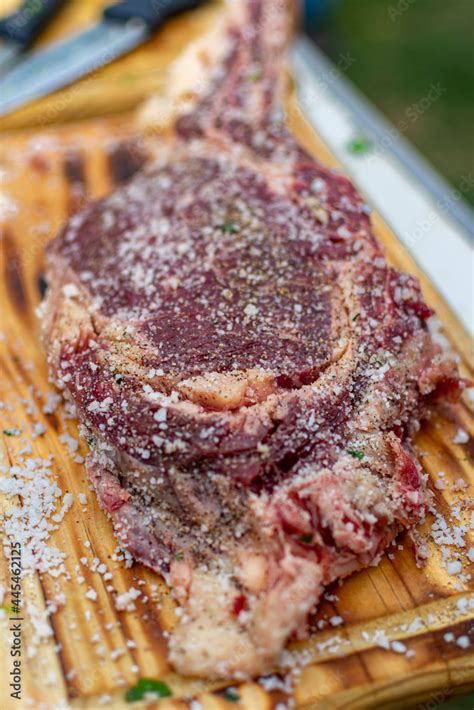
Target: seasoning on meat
247 369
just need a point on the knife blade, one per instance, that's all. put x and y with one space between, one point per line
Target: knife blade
8 53
123 27
21 28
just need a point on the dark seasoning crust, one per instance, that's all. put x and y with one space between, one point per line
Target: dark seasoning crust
247 369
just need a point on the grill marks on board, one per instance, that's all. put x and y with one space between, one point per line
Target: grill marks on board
153 626
74 169
469 448
13 275
75 175
42 285
125 159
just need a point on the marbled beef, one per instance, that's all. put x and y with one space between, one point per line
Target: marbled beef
247 368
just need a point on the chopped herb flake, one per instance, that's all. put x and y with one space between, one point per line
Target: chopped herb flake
228 228
356 454
357 315
12 432
306 538
178 556
359 146
255 76
147 686
231 695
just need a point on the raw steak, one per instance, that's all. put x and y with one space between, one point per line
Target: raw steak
247 368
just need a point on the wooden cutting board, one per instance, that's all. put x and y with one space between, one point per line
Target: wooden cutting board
88 653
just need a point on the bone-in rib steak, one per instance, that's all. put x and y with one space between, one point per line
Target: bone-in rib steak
247 368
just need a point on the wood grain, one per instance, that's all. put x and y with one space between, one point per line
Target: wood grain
47 175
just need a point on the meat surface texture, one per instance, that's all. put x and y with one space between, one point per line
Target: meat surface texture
247 368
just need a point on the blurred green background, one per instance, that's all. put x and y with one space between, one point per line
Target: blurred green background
401 49
466 703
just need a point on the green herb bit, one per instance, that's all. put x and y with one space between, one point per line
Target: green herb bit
231 695
255 76
147 686
12 432
306 538
228 228
359 146
356 317
179 556
356 454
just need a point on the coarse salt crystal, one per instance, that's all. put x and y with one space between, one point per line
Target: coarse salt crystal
454 567
250 310
126 600
461 437
38 430
398 647
160 415
31 523
70 290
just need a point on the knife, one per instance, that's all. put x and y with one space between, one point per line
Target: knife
123 27
19 30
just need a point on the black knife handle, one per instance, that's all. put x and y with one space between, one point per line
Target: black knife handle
24 25
152 12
